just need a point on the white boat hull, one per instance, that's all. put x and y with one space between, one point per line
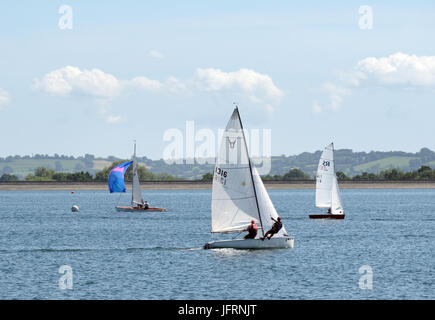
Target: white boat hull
273 243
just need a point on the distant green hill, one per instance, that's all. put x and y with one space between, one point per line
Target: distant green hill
347 161
354 163
24 167
386 163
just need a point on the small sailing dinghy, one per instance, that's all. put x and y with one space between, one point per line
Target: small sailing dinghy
239 196
117 184
327 191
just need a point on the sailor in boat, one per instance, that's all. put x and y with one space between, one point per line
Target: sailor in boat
275 229
146 206
329 211
252 231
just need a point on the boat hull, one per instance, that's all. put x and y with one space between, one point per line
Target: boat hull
273 243
326 216
136 209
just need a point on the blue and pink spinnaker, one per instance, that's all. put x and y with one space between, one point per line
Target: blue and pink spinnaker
116 177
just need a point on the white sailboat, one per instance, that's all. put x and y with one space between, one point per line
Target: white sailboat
327 191
137 202
239 196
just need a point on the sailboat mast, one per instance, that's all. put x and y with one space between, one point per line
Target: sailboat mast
250 170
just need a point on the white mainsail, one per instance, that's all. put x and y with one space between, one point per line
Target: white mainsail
327 190
336 207
234 202
325 177
136 197
239 195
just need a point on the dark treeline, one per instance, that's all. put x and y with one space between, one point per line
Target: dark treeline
425 173
293 174
8 177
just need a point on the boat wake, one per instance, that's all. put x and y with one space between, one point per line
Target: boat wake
53 250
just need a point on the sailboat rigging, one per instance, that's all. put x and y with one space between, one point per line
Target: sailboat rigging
117 184
327 190
239 195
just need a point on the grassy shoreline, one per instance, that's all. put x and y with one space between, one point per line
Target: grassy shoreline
204 185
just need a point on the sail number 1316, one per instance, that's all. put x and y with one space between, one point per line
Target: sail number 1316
220 175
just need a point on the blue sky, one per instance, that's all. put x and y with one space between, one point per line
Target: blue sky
134 69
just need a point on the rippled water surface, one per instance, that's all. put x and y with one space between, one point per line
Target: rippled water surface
158 255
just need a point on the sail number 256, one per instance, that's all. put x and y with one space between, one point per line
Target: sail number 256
324 166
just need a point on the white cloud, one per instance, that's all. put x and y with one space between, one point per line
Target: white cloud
144 83
4 97
113 119
104 111
101 86
316 107
258 87
96 83
177 86
70 80
398 69
336 94
155 54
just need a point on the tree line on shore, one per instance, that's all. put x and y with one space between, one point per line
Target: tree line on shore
425 173
45 174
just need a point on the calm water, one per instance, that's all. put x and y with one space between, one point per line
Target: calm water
159 256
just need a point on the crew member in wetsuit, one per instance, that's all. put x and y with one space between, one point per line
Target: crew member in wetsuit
146 205
329 210
252 231
275 229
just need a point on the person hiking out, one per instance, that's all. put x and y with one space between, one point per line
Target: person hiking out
274 230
